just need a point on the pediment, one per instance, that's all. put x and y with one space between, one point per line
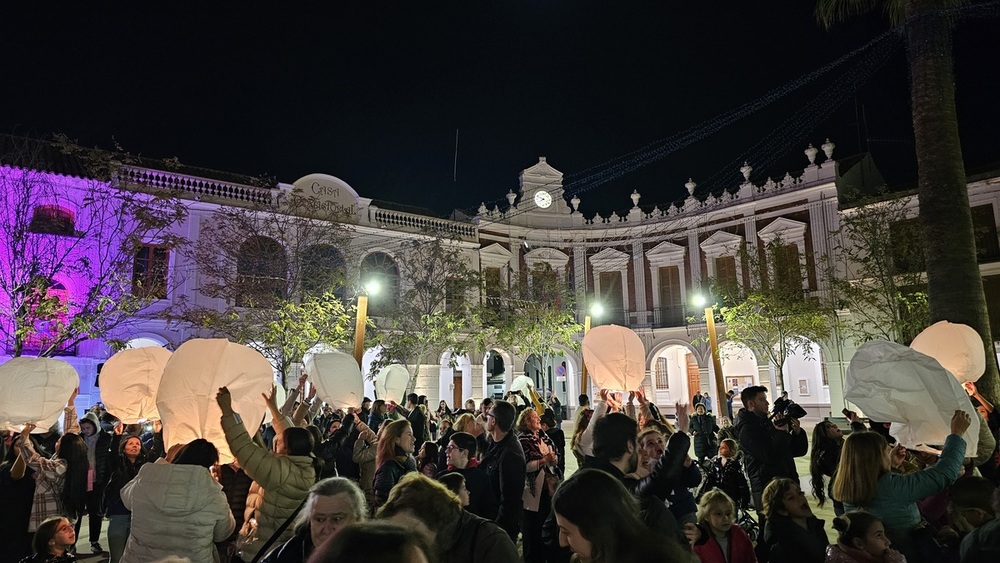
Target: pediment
542 168
494 256
555 258
609 259
721 243
666 253
783 227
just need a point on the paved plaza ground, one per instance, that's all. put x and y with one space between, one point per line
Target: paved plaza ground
802 463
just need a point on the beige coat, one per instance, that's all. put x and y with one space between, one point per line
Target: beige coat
177 510
284 481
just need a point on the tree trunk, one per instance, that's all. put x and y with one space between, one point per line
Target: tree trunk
954 282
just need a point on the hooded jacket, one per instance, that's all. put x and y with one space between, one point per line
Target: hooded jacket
99 451
177 510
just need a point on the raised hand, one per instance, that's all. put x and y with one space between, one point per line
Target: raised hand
157 426
119 429
312 393
72 398
225 400
640 394
271 399
960 422
302 381
28 428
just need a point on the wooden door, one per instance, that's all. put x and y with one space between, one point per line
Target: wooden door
694 380
456 398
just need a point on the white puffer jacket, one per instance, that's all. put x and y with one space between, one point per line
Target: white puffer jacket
177 510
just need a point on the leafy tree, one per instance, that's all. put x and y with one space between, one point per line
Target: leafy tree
954 282
771 316
878 272
74 245
433 313
272 277
531 317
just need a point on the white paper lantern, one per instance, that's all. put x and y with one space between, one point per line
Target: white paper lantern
130 380
957 347
337 378
893 383
615 358
522 383
35 390
191 379
391 382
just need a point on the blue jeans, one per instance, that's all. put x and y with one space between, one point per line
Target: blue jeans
119 526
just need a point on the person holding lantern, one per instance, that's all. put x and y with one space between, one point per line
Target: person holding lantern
281 478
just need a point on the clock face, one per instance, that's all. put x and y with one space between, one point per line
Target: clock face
543 199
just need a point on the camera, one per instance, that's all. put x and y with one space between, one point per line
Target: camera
785 410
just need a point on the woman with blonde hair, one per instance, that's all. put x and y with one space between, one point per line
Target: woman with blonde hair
865 480
394 458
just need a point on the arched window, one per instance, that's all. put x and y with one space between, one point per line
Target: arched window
261 272
323 269
52 220
380 268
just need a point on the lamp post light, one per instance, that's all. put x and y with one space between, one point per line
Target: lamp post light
370 288
596 310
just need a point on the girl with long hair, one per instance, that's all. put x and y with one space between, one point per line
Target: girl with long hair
60 481
601 522
827 441
394 458
865 480
129 455
583 416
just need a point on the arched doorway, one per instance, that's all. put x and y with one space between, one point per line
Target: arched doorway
455 381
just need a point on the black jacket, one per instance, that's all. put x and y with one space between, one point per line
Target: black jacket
505 468
768 451
328 450
790 543
481 499
475 539
388 474
295 550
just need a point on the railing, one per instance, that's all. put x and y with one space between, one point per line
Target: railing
391 218
196 186
662 317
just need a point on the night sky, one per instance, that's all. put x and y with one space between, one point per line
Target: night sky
372 92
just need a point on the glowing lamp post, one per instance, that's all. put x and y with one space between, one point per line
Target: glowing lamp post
596 310
371 288
713 343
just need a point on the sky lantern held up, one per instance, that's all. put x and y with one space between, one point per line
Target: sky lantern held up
615 358
129 383
191 379
35 390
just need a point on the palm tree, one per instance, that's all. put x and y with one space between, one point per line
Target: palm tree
954 282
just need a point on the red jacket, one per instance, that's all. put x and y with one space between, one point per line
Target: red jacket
740 547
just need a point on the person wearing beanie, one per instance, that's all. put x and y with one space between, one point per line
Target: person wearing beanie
99 456
504 465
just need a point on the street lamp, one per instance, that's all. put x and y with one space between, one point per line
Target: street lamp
370 288
596 310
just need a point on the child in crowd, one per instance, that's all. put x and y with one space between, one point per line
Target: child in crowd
721 540
861 540
455 482
725 471
792 534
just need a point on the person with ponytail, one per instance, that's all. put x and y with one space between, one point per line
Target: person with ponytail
827 441
861 539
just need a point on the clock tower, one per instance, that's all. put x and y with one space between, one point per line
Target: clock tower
542 191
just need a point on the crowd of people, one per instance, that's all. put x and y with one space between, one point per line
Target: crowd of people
488 483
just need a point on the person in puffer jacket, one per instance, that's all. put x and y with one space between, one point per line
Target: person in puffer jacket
178 509
282 478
